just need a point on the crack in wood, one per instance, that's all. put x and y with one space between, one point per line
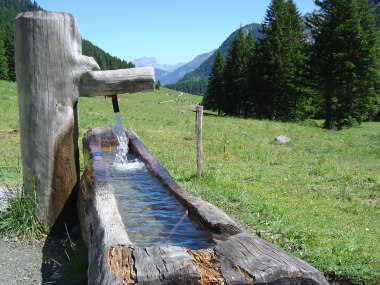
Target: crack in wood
247 277
205 260
121 263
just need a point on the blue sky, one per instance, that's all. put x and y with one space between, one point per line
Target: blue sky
170 30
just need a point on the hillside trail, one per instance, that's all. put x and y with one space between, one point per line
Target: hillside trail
179 95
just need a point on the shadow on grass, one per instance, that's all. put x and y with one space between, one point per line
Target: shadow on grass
210 114
65 259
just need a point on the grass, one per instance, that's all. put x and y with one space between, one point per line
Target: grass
73 266
19 218
319 194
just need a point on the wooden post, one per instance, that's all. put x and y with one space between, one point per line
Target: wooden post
198 135
51 73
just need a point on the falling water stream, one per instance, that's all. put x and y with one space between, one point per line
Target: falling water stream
122 149
150 213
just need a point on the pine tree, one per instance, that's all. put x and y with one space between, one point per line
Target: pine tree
3 62
9 51
346 61
249 55
158 85
278 90
213 98
235 77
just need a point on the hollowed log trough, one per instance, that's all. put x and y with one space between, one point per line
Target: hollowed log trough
240 259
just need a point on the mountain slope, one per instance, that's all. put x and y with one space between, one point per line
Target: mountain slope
188 67
159 74
195 82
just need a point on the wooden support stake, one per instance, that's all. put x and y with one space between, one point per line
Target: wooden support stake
198 134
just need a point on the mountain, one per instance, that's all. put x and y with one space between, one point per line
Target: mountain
195 82
188 67
159 74
376 5
151 61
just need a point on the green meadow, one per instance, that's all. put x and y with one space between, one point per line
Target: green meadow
317 196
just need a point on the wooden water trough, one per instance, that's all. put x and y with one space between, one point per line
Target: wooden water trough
240 259
51 74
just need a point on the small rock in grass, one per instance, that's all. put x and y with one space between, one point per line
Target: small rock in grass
14 239
277 236
265 233
282 139
7 193
182 111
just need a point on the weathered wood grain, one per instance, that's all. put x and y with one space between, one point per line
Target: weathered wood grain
245 258
103 83
164 265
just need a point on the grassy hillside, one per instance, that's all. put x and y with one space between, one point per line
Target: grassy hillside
317 196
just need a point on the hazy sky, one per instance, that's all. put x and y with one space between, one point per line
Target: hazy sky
169 30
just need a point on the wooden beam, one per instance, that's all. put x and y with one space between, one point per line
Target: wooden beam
109 82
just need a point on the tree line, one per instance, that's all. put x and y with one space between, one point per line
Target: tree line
104 59
8 11
192 85
331 72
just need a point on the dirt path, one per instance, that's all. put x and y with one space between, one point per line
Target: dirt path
20 263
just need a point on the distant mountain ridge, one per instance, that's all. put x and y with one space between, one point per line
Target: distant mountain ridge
168 74
151 61
179 73
195 82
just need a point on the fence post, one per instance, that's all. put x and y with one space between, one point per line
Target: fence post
198 135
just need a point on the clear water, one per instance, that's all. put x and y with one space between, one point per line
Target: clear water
122 148
150 213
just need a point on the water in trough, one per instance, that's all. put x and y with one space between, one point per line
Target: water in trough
150 213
